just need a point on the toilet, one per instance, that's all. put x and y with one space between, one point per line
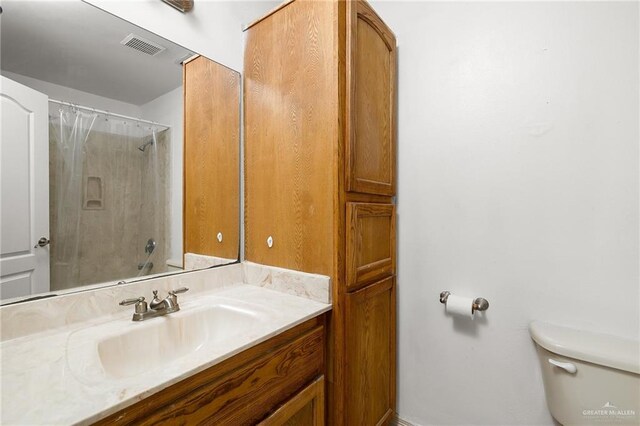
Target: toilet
589 378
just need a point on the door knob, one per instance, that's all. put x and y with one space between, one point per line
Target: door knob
42 242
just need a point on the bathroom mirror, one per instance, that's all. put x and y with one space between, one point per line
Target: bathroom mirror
95 142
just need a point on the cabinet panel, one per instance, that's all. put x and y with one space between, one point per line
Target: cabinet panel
291 110
320 129
370 354
371 242
211 131
305 409
371 117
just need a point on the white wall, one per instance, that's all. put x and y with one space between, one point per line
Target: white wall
518 182
67 94
167 109
213 28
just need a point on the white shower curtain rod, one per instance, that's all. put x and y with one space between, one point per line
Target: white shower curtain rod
112 114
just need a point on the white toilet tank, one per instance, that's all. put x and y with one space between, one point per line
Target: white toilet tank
589 378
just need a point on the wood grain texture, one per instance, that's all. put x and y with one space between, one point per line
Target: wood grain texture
291 110
371 243
335 331
211 159
297 113
371 59
241 390
306 408
370 348
266 15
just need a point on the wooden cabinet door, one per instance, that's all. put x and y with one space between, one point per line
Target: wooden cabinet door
370 354
371 93
211 157
306 408
371 243
291 131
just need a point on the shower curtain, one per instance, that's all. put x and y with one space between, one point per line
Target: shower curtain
108 198
69 133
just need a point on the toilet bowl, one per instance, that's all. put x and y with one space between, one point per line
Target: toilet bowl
589 378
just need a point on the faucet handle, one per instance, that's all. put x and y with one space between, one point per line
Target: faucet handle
131 301
178 290
141 305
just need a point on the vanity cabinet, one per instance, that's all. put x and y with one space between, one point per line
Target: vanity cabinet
304 409
320 180
275 380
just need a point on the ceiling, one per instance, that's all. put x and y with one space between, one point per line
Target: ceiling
74 44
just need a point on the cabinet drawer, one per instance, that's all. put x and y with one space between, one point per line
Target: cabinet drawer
306 408
370 354
371 243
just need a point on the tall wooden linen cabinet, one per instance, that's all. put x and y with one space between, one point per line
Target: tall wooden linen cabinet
320 173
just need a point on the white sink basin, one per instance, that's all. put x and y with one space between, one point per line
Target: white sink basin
128 349
166 339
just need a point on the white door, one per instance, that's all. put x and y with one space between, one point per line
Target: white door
24 190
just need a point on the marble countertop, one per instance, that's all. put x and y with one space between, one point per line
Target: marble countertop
54 375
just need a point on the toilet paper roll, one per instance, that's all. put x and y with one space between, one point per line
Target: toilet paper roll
460 306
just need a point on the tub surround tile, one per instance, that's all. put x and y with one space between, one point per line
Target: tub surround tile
49 346
120 166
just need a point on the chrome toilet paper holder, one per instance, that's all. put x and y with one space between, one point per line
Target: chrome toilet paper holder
479 303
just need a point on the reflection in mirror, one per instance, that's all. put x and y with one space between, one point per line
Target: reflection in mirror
211 234
92 152
107 196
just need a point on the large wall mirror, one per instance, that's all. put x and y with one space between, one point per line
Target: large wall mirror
119 152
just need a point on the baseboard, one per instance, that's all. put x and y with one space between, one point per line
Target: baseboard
397 421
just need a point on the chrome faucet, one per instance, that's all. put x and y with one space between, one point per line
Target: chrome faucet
157 307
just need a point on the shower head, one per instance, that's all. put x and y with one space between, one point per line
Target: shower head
144 145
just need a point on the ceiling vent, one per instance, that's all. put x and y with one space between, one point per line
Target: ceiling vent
142 45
